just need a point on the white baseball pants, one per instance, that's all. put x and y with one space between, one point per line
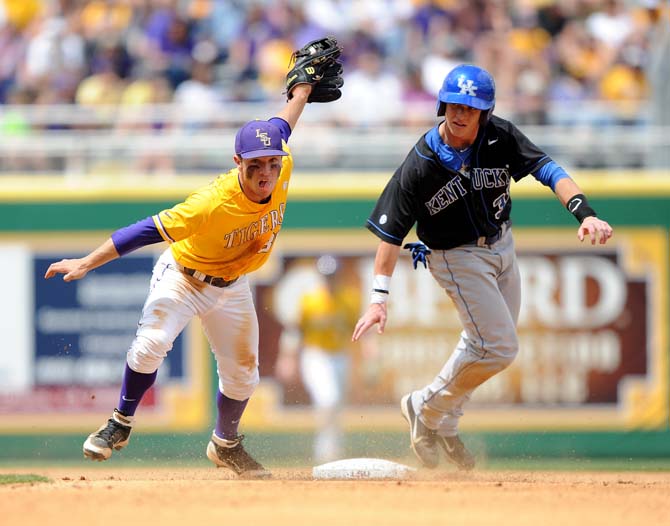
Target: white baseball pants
228 317
325 375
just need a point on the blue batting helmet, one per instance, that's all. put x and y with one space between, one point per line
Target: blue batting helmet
469 85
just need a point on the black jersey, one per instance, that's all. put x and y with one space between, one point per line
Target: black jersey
451 208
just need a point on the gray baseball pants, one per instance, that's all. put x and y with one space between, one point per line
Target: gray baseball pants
484 284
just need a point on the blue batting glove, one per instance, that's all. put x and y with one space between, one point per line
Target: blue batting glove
419 252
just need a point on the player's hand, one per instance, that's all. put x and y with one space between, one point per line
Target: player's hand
376 313
302 91
597 229
72 268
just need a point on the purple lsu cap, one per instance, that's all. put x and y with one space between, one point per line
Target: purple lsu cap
258 139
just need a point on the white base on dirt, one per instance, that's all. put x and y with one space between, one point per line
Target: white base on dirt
362 468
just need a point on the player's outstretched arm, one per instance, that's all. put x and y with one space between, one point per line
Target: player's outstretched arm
315 76
575 201
293 109
77 268
385 261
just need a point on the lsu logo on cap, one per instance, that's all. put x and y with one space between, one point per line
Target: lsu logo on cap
467 87
264 137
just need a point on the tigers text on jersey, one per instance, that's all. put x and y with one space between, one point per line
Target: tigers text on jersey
217 230
449 207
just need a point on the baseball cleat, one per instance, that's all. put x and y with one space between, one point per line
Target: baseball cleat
232 455
423 441
115 434
456 453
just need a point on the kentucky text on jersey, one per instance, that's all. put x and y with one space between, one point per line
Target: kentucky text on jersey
446 196
448 207
489 178
269 221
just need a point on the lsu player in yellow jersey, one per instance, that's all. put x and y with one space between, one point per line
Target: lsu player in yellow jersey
216 237
317 344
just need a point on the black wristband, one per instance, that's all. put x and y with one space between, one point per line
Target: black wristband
579 207
382 291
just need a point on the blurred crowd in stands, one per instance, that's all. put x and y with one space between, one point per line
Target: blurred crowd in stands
201 53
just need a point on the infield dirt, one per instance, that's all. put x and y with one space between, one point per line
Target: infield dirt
99 494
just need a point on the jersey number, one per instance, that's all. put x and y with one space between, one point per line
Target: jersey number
500 203
268 245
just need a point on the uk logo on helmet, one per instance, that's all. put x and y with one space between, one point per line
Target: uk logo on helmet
467 87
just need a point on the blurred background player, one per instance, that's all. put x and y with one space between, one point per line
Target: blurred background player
317 345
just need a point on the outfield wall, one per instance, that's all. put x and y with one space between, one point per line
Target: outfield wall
592 377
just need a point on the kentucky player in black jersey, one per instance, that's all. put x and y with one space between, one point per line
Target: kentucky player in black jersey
454 185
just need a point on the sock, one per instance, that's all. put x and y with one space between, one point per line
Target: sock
229 415
133 388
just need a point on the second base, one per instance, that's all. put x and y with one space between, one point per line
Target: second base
362 468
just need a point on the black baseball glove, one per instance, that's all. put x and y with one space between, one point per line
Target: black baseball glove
316 64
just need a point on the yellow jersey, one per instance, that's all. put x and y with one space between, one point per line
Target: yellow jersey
217 230
326 317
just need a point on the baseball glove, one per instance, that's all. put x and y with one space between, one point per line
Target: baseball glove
316 64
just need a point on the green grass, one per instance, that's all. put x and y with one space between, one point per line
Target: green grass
22 479
620 464
576 464
565 451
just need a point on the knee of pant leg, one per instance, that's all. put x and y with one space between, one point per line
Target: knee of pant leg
505 354
500 351
146 353
239 388
506 361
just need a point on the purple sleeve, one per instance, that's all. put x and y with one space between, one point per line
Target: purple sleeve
283 126
137 235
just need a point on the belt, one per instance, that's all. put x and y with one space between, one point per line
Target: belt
206 278
487 241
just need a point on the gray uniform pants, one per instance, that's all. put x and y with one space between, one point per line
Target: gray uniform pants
484 284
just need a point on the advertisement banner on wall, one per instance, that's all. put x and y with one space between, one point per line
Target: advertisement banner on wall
77 337
593 336
592 331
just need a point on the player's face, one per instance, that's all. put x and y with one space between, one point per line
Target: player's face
258 177
462 122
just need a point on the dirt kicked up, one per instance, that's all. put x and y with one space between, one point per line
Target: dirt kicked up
94 495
